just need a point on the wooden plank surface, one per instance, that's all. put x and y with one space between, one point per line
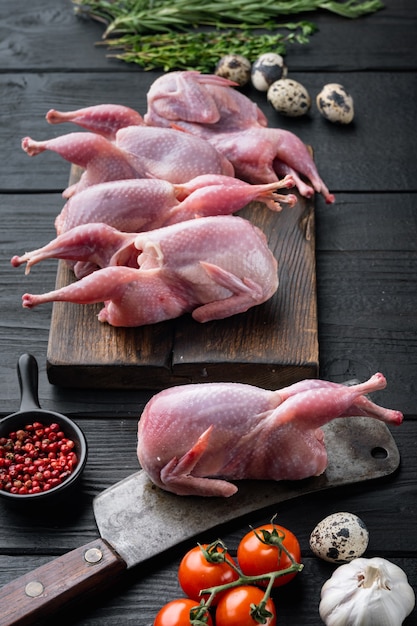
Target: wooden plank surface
271 345
25 46
366 292
348 158
30 541
366 259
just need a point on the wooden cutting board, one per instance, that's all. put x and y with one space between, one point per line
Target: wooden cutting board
271 345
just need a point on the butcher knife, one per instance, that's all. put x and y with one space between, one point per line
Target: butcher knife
138 520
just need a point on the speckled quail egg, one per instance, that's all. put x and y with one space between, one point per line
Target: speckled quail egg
234 67
289 97
268 68
335 104
339 538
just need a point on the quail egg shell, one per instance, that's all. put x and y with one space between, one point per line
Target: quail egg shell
339 538
335 104
234 67
268 68
289 97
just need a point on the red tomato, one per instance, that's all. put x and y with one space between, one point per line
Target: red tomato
234 608
256 557
177 613
196 573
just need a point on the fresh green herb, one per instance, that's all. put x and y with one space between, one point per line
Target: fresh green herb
163 33
202 50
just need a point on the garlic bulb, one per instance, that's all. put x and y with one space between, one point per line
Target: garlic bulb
366 592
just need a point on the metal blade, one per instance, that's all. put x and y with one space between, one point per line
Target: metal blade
140 520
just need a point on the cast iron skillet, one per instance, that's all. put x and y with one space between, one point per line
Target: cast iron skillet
29 412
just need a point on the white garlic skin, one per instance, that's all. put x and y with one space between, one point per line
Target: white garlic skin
234 67
267 68
339 538
366 592
289 97
335 104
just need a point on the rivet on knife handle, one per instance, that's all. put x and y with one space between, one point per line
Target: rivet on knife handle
50 587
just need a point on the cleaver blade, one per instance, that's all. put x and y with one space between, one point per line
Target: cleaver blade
137 520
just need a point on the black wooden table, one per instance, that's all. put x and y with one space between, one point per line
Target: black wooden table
366 278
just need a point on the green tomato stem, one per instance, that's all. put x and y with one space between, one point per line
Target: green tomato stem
212 554
248 580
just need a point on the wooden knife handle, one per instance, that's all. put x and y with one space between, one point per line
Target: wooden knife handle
50 587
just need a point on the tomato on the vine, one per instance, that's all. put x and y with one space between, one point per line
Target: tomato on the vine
237 606
196 572
257 557
177 613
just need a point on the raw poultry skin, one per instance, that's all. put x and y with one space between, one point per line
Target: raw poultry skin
86 248
136 152
212 267
194 439
136 205
104 119
208 106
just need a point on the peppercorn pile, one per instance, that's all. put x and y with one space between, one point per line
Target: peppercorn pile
35 458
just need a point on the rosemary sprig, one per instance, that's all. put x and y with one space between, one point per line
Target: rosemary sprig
159 15
163 33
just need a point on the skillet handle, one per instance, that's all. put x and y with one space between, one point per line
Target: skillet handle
27 371
48 589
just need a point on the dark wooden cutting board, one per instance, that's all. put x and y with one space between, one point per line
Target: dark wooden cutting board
271 345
